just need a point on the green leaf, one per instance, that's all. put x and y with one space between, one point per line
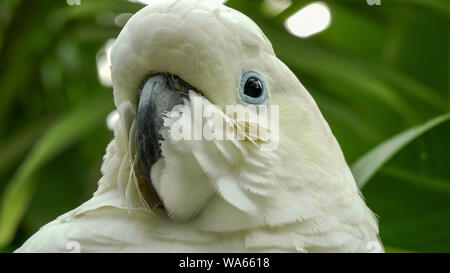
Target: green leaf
18 144
371 162
391 249
63 134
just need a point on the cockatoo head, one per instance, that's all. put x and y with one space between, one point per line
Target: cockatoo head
173 52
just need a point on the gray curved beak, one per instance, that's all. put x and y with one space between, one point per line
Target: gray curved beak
160 94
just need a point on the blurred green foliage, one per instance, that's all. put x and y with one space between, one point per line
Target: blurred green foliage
375 72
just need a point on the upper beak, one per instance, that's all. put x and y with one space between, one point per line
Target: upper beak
158 97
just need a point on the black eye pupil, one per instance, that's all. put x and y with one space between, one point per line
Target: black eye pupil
253 88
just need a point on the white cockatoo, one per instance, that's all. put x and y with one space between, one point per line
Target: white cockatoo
159 193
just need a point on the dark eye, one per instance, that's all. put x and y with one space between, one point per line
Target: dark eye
253 88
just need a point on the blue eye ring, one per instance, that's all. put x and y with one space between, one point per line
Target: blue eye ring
263 97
